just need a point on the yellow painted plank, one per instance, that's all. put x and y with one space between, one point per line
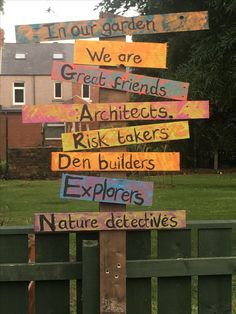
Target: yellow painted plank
115 53
94 221
104 138
115 161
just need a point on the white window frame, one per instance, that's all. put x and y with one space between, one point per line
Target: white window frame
82 92
55 125
20 56
58 56
14 88
55 83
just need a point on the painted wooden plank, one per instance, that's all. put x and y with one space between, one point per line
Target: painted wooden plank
115 161
108 190
54 296
174 244
93 221
120 80
116 53
215 292
136 267
105 138
112 27
14 295
103 112
90 277
139 289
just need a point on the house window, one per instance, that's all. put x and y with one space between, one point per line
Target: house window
18 93
85 91
57 90
20 56
52 131
58 56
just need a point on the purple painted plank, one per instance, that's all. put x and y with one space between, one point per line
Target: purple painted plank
108 190
124 81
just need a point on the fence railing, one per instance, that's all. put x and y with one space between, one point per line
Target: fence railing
168 272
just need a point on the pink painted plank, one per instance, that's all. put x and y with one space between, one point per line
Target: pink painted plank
164 110
93 221
124 81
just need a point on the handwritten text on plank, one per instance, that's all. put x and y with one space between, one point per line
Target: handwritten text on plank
165 110
104 138
114 53
108 190
115 161
111 27
92 221
119 80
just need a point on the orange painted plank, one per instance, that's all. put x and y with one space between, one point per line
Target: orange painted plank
115 53
104 138
115 161
94 221
163 110
113 27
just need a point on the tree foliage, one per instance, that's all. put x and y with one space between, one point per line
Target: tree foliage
205 59
1 5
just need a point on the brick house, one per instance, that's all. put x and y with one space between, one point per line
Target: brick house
25 78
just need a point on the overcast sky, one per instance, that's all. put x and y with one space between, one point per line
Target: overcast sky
17 12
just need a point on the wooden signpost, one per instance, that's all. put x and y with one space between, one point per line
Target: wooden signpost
115 161
115 53
97 221
123 81
106 190
103 138
113 27
133 111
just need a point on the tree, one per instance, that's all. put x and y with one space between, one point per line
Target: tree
205 59
1 5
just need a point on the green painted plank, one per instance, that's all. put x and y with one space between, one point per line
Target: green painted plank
174 244
14 295
40 271
80 237
138 289
90 277
135 269
215 292
52 296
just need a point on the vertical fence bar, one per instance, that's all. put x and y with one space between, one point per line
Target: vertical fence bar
14 295
80 237
52 297
138 289
214 292
174 293
90 275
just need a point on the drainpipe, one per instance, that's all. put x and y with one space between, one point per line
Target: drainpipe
6 147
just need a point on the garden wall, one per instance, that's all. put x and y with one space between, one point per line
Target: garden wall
31 163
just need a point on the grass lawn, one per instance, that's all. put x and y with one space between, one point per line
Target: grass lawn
208 196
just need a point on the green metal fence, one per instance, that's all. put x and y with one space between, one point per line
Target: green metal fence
168 272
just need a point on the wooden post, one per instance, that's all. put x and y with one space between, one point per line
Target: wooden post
112 243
